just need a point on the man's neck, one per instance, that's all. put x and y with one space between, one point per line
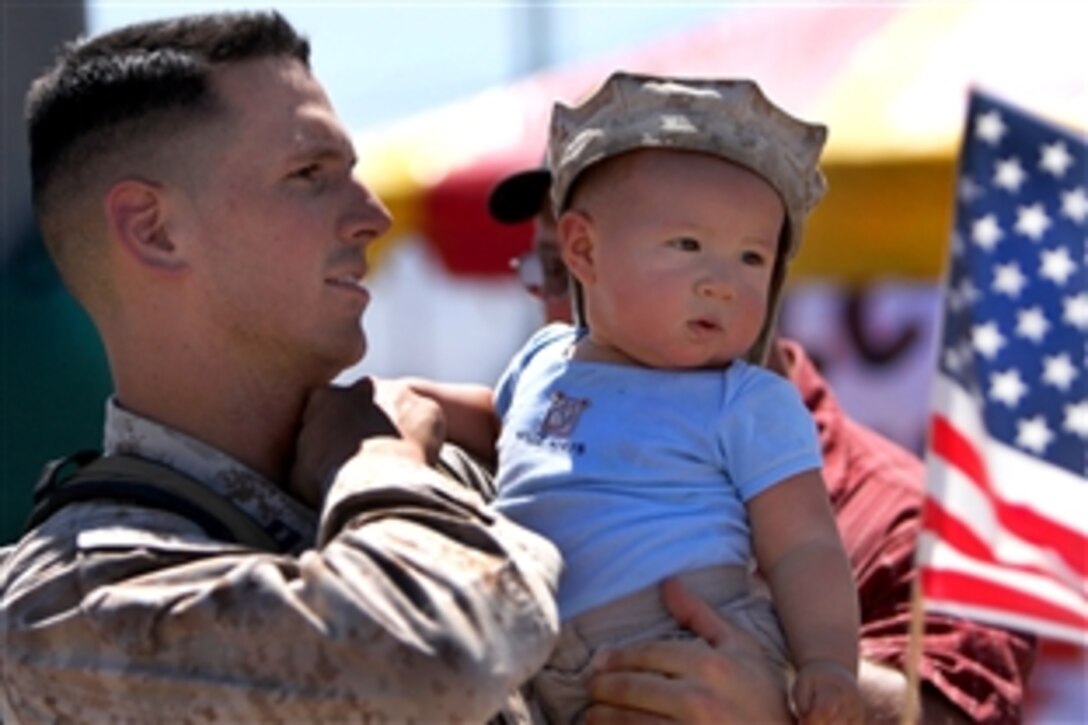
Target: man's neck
252 417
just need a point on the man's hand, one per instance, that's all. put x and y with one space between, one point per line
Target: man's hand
336 420
418 418
722 677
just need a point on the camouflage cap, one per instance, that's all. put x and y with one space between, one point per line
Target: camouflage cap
727 118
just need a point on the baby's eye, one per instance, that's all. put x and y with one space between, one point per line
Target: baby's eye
686 244
755 259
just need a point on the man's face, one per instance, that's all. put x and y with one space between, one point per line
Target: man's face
280 225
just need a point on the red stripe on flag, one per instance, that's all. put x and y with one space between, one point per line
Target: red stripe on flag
952 530
961 538
967 590
958 450
1024 523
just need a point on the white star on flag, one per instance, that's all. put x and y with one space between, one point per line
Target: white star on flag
969 191
1009 174
1031 324
1058 371
1008 279
987 339
1032 221
986 232
1075 204
1033 434
1076 419
1075 311
1007 387
990 128
953 359
1056 265
1055 158
969 294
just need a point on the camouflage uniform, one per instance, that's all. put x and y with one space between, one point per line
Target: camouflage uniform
402 600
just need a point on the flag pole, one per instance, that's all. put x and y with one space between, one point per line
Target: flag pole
912 706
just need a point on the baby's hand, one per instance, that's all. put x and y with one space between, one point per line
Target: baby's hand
827 693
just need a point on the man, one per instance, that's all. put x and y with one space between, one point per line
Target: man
195 190
969 672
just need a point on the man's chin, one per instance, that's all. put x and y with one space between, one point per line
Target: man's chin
346 367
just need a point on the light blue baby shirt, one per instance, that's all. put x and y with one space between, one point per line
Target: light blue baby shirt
638 473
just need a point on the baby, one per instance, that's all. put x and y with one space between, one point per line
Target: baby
648 441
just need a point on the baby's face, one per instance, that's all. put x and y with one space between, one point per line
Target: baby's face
684 245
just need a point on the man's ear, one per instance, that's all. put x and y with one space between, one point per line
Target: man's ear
575 232
136 217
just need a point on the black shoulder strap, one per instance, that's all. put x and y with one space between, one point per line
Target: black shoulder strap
143 483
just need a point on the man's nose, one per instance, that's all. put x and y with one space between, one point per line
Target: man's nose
368 217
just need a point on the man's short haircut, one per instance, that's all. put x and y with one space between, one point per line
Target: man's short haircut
117 88
132 102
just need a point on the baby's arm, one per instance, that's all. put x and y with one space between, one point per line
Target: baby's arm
470 415
798 548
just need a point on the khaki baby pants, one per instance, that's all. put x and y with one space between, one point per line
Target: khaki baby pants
559 689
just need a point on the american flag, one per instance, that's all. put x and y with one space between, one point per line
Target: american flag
1005 529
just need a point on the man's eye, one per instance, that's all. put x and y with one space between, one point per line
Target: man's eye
686 244
307 173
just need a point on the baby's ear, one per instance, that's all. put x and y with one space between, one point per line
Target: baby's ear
135 213
576 239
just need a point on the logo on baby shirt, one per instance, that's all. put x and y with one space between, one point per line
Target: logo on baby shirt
559 421
562 416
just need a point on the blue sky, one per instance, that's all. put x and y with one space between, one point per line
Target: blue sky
384 60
